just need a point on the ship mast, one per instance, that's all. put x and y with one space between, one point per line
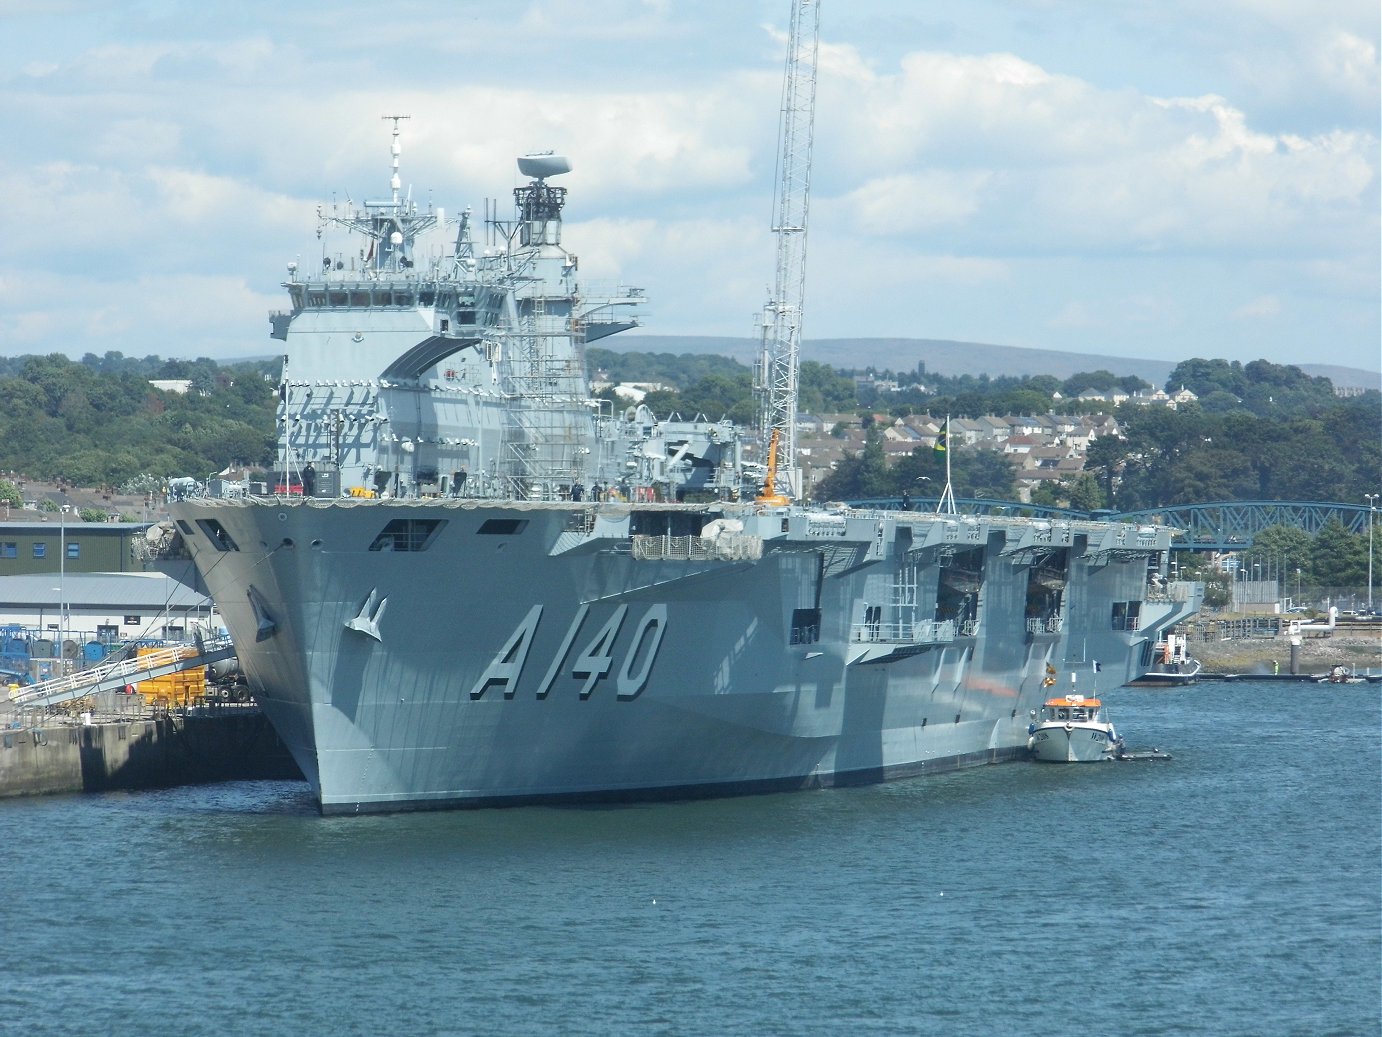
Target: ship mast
776 377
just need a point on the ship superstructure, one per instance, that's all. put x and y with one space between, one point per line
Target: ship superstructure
477 584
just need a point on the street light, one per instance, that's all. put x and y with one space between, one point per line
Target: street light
1372 507
62 571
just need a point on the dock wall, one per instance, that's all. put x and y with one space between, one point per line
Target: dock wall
151 752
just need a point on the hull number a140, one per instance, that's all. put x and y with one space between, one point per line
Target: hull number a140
589 665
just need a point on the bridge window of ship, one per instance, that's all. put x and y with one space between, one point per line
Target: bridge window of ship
217 534
407 535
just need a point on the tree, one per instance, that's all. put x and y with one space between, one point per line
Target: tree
860 476
1339 558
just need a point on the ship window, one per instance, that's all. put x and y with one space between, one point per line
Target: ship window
316 299
216 533
182 525
407 535
9 549
806 626
338 298
1127 615
502 527
74 550
40 550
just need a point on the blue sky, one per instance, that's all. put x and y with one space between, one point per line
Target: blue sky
1148 179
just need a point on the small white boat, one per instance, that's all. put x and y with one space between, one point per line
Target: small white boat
1340 675
1072 729
1172 665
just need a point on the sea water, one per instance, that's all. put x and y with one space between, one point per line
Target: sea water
1231 890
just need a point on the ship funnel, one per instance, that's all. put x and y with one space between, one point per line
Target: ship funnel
541 165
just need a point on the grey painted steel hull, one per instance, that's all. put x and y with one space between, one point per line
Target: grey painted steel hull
543 651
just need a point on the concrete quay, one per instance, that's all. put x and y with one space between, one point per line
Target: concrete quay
87 753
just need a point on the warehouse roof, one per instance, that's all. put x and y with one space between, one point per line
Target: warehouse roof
120 592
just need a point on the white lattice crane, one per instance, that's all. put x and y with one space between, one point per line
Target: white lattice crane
776 377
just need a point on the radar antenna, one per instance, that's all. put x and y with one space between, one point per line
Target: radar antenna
776 377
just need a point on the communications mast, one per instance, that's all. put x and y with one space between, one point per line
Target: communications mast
776 377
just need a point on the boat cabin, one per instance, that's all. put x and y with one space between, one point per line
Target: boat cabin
1071 709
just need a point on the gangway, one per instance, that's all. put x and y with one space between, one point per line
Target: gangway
117 675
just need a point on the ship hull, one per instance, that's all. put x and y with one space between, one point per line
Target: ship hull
427 654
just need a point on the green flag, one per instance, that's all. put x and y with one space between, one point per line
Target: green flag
941 441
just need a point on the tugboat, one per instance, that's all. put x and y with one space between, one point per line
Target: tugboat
1071 728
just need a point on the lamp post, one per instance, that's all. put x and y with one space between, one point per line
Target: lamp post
1372 507
62 571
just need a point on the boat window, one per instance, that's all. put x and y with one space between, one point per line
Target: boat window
1127 615
338 298
407 535
502 527
217 534
806 626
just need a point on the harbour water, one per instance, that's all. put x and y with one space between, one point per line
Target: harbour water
1236 889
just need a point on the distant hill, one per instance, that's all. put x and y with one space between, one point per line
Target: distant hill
942 356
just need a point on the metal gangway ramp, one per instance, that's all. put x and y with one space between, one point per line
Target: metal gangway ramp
115 676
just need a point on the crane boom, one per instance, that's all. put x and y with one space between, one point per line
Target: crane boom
779 363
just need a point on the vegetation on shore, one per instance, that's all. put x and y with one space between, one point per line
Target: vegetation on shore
1259 431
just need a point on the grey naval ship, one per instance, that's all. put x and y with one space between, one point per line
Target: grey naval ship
473 583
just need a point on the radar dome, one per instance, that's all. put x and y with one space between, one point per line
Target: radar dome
543 165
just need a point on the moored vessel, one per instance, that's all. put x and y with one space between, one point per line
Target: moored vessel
478 585
1172 664
1072 728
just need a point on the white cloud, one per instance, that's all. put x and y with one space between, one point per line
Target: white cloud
1262 306
1107 175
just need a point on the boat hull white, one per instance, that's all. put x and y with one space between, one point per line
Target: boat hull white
1074 743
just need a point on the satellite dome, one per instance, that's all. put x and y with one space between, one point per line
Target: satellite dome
541 165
